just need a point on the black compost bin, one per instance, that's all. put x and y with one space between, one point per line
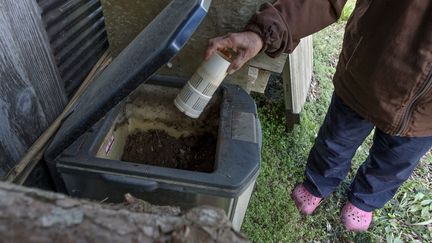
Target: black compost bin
85 157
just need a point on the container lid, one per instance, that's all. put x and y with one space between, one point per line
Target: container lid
160 41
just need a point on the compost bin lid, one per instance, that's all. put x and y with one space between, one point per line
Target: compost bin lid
150 50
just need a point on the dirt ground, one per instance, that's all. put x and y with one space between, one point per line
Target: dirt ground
156 147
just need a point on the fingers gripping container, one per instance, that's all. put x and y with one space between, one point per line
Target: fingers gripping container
198 91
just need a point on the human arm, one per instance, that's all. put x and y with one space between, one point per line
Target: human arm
281 25
278 28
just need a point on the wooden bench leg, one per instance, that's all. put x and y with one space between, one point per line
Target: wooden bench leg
291 119
297 76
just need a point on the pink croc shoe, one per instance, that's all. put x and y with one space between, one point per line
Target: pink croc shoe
305 202
354 218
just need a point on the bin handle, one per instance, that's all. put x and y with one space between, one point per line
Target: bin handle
145 185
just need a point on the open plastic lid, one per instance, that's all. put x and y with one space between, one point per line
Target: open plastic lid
160 41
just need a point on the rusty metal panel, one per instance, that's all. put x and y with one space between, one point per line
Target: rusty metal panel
76 31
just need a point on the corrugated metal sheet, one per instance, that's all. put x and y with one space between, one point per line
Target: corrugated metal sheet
76 30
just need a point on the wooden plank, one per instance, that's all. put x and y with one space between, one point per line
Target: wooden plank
126 18
253 73
31 93
22 170
297 76
275 65
261 82
286 79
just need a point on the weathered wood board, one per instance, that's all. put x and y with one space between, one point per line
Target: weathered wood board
31 93
263 61
297 76
126 18
259 85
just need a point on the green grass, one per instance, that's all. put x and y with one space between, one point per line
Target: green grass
272 216
348 9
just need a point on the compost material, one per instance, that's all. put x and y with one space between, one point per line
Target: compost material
156 147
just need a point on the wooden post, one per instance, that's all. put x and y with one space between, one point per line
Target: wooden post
297 76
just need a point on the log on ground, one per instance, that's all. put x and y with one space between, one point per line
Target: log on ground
31 215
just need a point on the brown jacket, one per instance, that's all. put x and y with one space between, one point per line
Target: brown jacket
385 68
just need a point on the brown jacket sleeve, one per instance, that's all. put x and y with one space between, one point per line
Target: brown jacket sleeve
283 24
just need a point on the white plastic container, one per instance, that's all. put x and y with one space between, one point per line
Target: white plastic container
198 91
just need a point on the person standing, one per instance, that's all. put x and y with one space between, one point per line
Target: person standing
383 80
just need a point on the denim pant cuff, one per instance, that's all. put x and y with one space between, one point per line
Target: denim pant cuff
312 188
360 204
